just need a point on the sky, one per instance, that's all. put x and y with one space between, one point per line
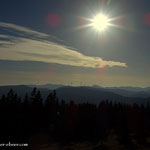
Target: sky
50 42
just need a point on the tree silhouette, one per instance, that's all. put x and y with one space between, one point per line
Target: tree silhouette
22 117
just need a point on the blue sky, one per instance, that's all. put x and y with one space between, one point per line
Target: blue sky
40 42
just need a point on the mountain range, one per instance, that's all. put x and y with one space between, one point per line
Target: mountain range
127 91
92 94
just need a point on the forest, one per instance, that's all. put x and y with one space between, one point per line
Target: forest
70 122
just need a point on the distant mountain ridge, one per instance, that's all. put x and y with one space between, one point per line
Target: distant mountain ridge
89 94
48 86
127 91
92 94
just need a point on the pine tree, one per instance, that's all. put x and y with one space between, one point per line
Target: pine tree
33 94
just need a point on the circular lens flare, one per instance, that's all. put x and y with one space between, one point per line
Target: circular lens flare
100 22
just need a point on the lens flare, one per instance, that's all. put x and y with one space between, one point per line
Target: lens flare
53 20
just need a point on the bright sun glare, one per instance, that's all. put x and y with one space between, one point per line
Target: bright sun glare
100 22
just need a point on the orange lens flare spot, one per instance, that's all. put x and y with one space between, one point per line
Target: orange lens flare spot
147 19
53 20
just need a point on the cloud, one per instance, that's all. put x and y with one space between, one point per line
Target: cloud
21 30
31 45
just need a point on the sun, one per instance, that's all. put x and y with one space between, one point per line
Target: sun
100 22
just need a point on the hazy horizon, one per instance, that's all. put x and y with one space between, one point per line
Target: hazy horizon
73 85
